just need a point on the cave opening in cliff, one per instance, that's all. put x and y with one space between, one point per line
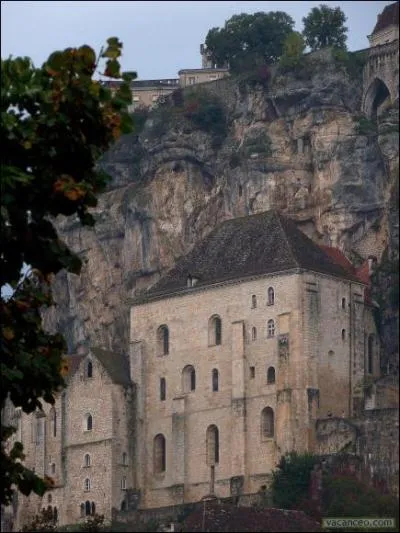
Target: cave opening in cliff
377 94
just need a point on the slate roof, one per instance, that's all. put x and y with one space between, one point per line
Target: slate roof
73 362
116 365
248 246
388 17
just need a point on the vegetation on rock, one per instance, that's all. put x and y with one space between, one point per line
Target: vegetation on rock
324 26
56 121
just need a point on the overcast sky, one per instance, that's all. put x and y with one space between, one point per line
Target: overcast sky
159 38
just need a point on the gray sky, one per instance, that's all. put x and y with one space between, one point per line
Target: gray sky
159 38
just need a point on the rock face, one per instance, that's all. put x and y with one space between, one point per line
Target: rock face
296 146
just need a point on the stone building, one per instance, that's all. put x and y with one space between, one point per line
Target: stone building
235 354
386 29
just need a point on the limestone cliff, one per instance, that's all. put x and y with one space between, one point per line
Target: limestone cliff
298 145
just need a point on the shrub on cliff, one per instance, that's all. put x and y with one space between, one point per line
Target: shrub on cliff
207 113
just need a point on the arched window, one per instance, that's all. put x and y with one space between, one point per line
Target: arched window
343 303
123 483
159 454
87 508
82 509
212 445
49 498
124 458
214 330
55 514
163 389
87 460
163 340
53 421
53 468
87 484
89 422
214 380
270 328
343 334
370 361
89 369
188 379
270 296
252 372
267 423
93 508
253 301
271 375
253 334
331 353
123 505
50 512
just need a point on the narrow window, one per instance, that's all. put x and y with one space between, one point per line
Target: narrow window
87 508
53 468
87 484
159 454
271 296
253 334
89 423
123 483
188 379
162 389
163 340
55 514
240 191
212 445
53 421
343 303
370 363
123 506
89 369
215 380
343 334
214 331
124 458
87 460
49 498
267 423
271 375
253 301
252 372
270 328
93 509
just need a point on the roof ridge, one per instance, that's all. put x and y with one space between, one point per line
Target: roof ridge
295 259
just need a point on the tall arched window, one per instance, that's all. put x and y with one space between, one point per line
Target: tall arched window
53 421
163 389
267 423
253 301
89 422
188 379
87 460
55 514
271 375
343 334
93 508
89 369
212 445
123 483
87 508
163 340
215 380
87 485
370 361
124 458
214 330
159 454
253 333
270 328
270 296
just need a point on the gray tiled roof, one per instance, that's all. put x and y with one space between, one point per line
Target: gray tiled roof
248 246
116 365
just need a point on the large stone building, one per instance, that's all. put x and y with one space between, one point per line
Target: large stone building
234 355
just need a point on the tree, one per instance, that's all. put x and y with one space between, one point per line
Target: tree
324 26
249 40
56 121
293 49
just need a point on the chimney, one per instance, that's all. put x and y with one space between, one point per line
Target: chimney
372 260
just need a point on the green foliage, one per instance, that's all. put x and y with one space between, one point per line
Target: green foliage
139 117
345 496
324 26
365 126
258 143
290 483
44 521
93 523
249 40
352 61
55 123
293 49
207 113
